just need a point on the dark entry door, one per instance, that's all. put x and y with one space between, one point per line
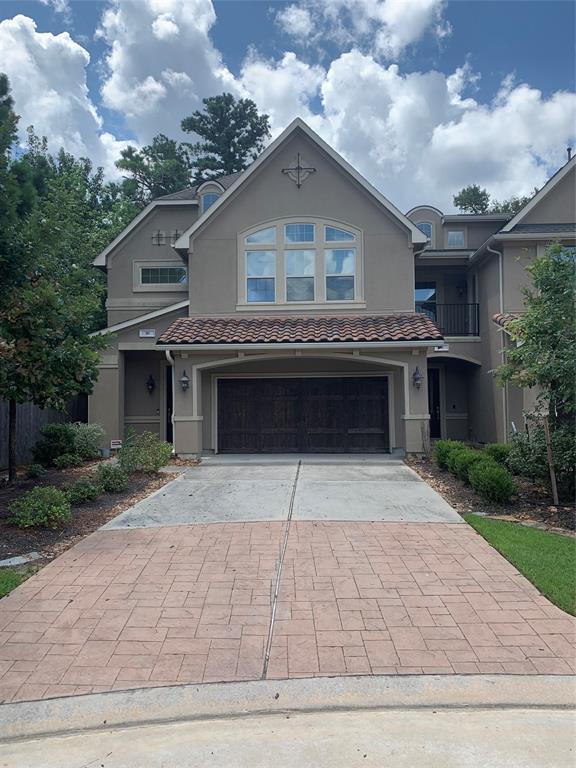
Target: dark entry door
303 415
434 403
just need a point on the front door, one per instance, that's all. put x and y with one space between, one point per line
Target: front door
434 403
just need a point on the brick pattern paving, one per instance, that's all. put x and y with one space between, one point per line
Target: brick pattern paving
161 606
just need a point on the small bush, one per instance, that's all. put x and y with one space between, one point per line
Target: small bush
83 490
144 453
56 440
462 461
112 478
46 507
87 440
67 460
528 458
499 452
453 455
443 450
34 471
491 481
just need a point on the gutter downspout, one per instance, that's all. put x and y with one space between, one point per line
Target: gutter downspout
503 350
170 361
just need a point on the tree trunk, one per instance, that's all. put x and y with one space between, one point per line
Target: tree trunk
550 462
11 441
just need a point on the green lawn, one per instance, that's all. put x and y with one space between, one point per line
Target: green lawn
548 560
9 580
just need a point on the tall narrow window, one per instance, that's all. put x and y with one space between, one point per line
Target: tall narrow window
209 199
261 276
426 227
299 275
340 274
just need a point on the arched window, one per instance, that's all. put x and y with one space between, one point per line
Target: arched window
299 261
427 228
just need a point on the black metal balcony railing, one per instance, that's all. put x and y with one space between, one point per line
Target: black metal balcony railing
452 319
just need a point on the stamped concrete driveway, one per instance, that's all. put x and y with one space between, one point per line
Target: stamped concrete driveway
245 570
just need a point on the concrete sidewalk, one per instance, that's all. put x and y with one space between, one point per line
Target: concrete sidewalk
435 721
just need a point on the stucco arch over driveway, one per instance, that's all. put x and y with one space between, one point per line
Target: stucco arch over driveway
197 410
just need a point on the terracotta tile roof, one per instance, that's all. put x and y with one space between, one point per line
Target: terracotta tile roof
310 329
502 318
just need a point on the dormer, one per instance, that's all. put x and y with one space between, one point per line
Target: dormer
429 221
208 193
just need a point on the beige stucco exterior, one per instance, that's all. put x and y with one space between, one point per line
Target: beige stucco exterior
389 262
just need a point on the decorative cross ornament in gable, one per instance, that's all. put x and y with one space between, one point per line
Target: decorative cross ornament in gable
298 173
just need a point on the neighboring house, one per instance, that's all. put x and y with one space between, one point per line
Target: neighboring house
293 308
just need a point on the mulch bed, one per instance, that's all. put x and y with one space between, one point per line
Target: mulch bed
530 505
86 518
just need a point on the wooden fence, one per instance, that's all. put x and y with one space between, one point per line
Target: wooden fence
29 420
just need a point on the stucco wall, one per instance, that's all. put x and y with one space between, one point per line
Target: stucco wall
558 206
329 193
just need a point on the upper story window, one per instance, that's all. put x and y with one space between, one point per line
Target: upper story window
426 227
299 262
455 238
160 276
208 199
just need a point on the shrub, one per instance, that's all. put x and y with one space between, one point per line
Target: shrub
528 458
67 460
499 452
87 439
34 470
46 507
144 452
56 440
453 455
83 490
112 478
491 481
462 461
443 450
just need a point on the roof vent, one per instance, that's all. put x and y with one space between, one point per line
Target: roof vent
569 153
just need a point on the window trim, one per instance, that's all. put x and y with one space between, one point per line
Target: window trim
319 246
208 192
139 287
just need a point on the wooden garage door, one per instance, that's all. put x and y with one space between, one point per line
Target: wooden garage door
303 415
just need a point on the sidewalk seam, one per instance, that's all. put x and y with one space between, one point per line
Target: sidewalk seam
279 573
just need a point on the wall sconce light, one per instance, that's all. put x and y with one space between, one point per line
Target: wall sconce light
184 381
150 384
417 378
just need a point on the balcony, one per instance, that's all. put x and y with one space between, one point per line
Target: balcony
452 319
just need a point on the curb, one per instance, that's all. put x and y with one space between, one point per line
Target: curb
147 706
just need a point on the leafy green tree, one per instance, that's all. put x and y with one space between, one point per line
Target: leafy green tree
233 134
472 199
544 353
160 168
510 206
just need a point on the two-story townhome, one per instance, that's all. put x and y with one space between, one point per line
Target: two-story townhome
293 308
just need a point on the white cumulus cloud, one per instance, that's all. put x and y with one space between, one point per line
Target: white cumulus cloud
47 74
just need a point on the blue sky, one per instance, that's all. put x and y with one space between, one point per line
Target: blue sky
385 80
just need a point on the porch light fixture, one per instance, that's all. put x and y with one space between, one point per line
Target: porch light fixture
184 381
150 384
417 378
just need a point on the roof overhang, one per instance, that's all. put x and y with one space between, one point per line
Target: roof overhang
535 235
462 218
183 242
101 259
305 345
142 318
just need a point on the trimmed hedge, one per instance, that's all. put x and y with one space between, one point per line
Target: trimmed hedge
491 481
463 461
453 456
499 452
443 450
144 453
46 507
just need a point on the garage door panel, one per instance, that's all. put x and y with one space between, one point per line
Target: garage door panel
307 415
